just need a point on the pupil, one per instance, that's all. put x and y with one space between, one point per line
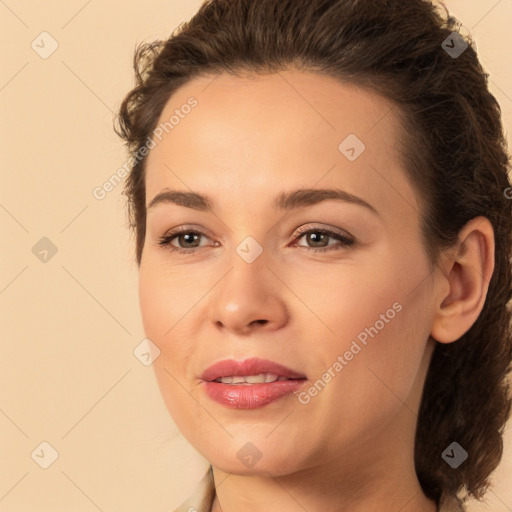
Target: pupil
315 235
187 236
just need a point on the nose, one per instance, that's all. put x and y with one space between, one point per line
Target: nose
249 298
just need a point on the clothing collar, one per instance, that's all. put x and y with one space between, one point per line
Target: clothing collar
201 500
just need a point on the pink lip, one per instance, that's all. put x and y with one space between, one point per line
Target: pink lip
253 366
253 396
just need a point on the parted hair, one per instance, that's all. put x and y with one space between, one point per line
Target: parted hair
452 146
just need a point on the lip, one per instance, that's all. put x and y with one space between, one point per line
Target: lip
250 396
253 366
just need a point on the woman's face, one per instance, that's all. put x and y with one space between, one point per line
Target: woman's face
353 320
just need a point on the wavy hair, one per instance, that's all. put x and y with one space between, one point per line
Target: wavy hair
452 146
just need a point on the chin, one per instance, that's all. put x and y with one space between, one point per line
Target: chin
247 458
260 468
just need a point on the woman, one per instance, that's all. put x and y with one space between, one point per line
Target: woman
318 193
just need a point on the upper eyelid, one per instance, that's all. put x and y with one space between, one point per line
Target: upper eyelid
298 233
335 231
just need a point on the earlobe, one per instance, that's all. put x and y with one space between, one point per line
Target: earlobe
467 280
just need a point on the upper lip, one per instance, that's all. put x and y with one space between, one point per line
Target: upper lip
253 366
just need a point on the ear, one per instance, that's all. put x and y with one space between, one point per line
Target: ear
468 272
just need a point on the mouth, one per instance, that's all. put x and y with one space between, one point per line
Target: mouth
250 384
262 378
249 371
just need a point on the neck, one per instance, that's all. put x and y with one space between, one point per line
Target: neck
383 486
374 474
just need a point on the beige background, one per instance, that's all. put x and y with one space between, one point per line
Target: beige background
69 325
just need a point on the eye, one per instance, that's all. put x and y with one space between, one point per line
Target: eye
189 240
320 237
184 235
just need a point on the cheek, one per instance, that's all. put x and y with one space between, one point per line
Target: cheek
373 298
152 299
163 304
373 379
345 300
383 376
165 298
161 309
376 322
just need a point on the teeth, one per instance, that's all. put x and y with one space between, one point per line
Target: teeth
256 379
251 379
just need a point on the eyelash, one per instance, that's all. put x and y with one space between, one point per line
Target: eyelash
165 241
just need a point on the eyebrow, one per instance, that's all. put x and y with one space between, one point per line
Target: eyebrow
284 201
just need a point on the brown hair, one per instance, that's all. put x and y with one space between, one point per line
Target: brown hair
453 150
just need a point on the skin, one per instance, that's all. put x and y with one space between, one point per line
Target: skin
249 139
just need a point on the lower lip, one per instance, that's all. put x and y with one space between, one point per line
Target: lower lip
251 396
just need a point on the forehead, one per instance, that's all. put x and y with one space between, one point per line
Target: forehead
262 133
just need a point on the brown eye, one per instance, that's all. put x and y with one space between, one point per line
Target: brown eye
319 240
188 240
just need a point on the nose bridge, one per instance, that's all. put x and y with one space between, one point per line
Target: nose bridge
248 294
248 277
250 250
